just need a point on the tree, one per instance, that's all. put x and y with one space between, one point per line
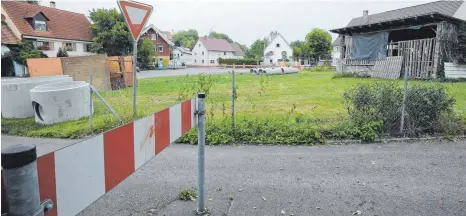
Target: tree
256 50
186 38
146 53
110 32
319 42
220 36
62 52
298 49
23 51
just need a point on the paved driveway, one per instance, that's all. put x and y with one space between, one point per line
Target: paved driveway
421 178
189 71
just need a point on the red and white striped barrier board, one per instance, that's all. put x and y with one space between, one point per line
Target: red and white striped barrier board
77 175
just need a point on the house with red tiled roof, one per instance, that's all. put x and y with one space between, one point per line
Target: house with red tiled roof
207 51
162 42
48 28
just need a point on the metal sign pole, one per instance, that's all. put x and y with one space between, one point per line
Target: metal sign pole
200 151
135 59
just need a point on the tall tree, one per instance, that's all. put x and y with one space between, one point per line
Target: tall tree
298 49
319 42
111 36
186 38
220 36
110 32
257 49
146 52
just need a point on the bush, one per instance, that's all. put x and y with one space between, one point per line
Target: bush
293 130
320 68
381 102
246 61
62 52
351 74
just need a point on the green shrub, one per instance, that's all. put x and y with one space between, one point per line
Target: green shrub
246 61
381 102
62 52
320 68
350 74
293 130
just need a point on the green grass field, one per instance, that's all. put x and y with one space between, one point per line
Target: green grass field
315 95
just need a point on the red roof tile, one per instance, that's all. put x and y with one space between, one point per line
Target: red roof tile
62 24
213 44
7 35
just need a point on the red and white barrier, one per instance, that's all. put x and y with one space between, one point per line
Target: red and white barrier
77 175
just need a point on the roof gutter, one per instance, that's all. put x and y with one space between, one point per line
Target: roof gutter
54 38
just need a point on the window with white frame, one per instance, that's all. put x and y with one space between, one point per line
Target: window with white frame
212 61
181 54
195 61
69 46
87 47
153 36
278 45
202 61
202 53
40 25
199 45
44 45
160 48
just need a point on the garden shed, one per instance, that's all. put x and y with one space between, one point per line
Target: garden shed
418 39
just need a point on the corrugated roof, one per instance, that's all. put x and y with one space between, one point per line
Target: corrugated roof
447 8
62 24
213 44
238 50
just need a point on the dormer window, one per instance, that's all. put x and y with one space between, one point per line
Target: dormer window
38 20
40 25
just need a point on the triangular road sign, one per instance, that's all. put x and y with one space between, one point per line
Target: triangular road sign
136 15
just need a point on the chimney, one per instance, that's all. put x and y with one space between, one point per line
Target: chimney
365 16
52 4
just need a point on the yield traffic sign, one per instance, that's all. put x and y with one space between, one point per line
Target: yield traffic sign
136 15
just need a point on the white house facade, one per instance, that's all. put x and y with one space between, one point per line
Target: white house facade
336 51
207 51
277 49
50 46
182 54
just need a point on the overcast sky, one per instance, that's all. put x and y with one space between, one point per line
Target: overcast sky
247 20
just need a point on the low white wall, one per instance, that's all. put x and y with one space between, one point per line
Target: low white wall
455 70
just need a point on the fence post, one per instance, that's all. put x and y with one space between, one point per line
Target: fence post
233 94
90 102
200 151
403 106
21 181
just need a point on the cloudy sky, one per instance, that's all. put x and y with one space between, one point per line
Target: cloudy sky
247 20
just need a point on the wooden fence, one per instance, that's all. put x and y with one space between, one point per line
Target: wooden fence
418 57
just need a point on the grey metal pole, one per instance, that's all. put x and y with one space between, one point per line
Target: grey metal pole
233 98
200 151
106 104
20 179
135 60
403 107
90 102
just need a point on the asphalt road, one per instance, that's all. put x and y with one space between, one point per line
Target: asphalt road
189 71
420 178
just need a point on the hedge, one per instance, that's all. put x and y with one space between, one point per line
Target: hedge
246 61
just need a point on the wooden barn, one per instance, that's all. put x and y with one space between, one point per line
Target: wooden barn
418 40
